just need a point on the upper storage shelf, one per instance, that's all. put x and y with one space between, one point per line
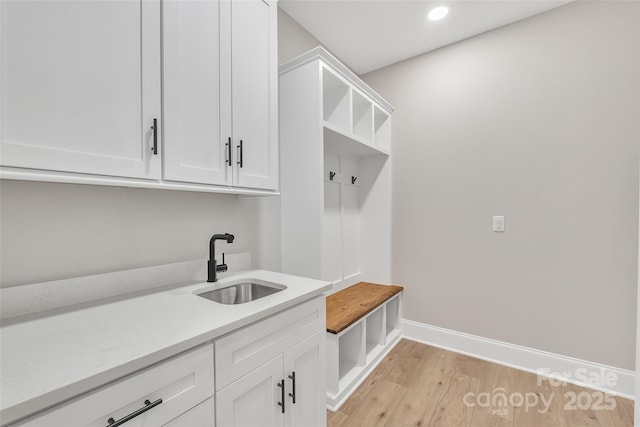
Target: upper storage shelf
336 99
355 118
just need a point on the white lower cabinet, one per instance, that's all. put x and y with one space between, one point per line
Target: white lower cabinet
286 391
269 374
177 392
288 388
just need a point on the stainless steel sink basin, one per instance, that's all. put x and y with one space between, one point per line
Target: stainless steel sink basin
241 292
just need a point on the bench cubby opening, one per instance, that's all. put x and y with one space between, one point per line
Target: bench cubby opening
375 332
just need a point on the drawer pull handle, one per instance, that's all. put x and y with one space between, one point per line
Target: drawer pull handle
281 404
147 405
292 377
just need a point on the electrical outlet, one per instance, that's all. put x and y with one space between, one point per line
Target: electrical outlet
498 223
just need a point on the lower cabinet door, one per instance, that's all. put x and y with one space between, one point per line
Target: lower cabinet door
253 400
200 416
305 372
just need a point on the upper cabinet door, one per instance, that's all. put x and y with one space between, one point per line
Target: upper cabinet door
80 86
194 149
254 92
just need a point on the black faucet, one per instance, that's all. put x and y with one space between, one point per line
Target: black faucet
213 267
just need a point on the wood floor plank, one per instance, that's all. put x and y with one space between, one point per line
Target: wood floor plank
381 371
420 385
535 401
376 408
408 363
336 419
493 380
451 410
573 414
624 410
421 399
392 422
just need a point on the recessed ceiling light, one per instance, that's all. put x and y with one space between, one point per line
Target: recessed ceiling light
437 13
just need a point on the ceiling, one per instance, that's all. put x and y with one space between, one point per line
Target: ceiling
371 34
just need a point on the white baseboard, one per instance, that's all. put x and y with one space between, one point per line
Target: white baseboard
615 381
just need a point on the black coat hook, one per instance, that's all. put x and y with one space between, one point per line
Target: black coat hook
332 175
354 179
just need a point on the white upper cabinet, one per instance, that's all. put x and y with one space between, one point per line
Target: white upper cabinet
82 83
80 86
254 79
220 92
194 148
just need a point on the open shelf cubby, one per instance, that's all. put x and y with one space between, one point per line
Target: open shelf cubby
392 321
375 333
336 100
350 346
362 117
381 129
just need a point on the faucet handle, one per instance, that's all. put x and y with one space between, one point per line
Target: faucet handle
223 266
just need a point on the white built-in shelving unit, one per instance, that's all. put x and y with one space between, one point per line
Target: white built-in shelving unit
335 183
335 175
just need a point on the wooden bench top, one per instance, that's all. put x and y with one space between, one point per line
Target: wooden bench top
351 304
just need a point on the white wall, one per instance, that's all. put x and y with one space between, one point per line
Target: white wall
55 231
538 121
293 39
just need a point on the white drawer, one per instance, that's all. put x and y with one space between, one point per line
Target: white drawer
242 351
182 382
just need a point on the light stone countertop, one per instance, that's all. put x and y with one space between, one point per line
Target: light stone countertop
48 359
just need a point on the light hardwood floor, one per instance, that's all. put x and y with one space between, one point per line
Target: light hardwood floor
419 385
